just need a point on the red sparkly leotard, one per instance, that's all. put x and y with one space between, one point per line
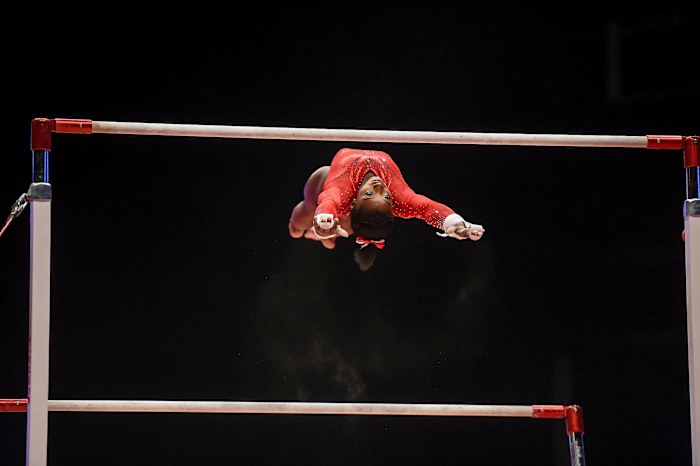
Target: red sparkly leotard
348 168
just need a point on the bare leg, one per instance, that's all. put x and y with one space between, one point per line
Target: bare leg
302 216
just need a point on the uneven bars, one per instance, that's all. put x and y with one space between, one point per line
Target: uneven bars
358 135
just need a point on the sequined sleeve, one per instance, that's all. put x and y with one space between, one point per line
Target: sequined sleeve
329 201
338 191
336 197
409 204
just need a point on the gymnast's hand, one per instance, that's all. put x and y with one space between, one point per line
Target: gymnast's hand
326 226
462 231
324 222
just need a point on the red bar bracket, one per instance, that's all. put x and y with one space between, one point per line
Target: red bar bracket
574 419
548 411
690 151
17 405
67 125
41 133
664 142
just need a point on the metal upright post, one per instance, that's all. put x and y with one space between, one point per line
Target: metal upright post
574 429
691 216
39 197
573 414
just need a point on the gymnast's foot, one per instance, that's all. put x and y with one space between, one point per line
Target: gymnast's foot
295 232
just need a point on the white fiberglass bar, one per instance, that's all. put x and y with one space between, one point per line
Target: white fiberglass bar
357 135
263 407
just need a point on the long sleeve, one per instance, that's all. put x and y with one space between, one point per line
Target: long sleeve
339 188
409 204
330 201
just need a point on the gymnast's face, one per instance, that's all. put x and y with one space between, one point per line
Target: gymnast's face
375 195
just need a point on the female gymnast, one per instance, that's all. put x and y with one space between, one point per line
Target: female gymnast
360 193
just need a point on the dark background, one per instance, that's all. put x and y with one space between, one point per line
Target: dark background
173 275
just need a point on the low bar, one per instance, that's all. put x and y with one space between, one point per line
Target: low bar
275 407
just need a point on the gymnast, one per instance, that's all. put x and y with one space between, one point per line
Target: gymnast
360 193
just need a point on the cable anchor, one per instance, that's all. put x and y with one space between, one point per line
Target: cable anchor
17 208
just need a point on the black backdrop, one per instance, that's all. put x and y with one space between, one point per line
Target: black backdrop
173 276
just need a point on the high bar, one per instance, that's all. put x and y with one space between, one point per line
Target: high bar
359 135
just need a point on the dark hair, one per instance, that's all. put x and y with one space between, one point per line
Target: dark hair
369 224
